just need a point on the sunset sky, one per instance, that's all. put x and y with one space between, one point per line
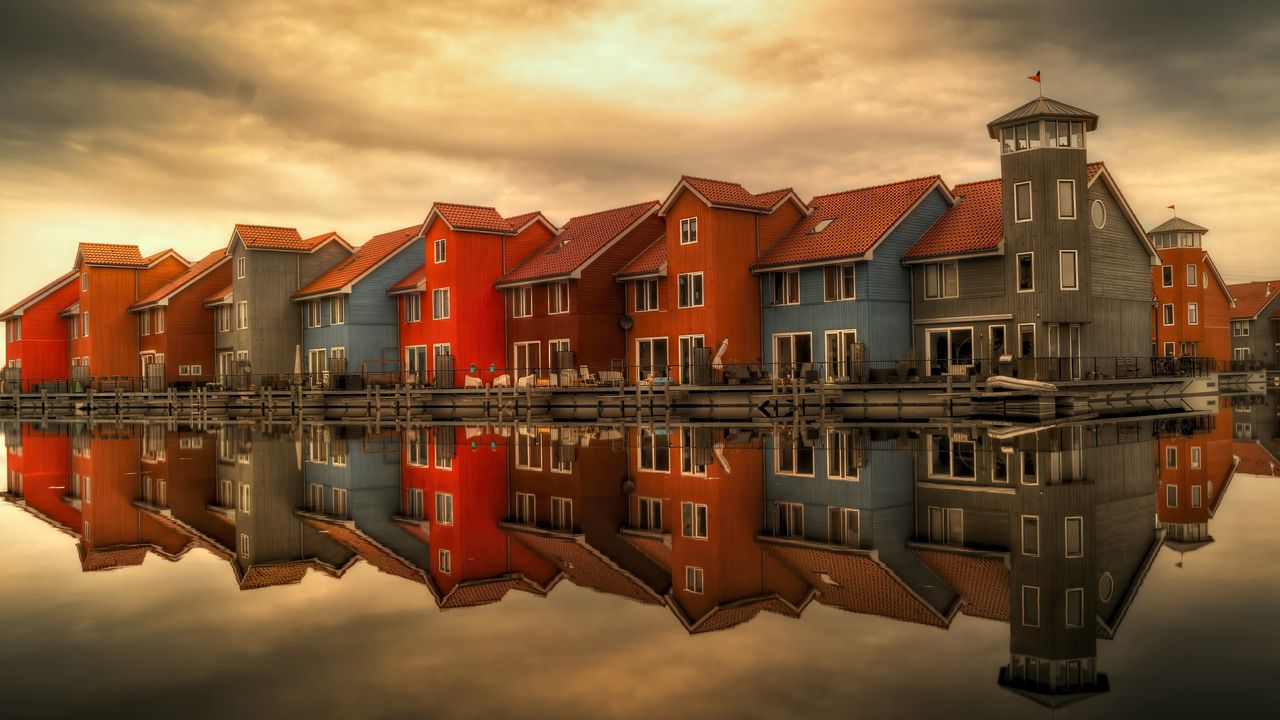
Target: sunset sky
164 123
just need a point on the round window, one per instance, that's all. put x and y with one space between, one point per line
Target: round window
1099 213
1106 587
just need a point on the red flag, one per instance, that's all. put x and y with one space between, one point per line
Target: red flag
1172 207
1035 77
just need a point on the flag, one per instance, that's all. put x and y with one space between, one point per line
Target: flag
1035 77
1172 207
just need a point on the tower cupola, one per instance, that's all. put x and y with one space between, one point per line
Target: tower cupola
1040 124
1176 232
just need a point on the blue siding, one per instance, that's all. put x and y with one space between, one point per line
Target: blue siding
882 311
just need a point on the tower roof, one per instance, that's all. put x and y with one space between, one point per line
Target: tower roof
1042 107
1177 224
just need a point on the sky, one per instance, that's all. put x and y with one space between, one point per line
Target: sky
165 123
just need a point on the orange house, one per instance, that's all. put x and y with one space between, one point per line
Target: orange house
175 324
1193 305
35 338
694 287
1195 471
39 467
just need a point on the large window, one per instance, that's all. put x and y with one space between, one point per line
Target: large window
690 285
1168 314
1030 535
655 451
1066 199
242 315
1192 275
440 304
646 295
1068 270
838 283
786 288
1193 313
439 250
557 298
1022 202
689 231
693 520
941 280
1026 272
522 301
651 357
413 307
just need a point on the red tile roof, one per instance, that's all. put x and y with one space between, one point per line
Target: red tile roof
379 248
974 224
111 558
584 565
110 255
983 581
654 548
729 615
475 218
208 262
19 307
1252 297
284 573
410 282
519 221
474 593
219 296
268 237
1254 459
369 550
156 257
651 261
731 194
1093 169
578 241
858 219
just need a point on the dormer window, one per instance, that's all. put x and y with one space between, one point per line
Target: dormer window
822 225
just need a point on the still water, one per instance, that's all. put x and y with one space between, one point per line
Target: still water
1097 568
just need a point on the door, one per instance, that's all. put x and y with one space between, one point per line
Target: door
651 357
792 354
415 364
152 373
1073 350
525 359
843 355
950 350
687 344
318 364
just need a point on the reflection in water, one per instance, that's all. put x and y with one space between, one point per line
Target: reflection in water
1046 529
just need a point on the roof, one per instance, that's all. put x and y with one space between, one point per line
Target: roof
269 237
975 223
582 564
72 309
1042 107
1254 459
21 306
154 258
218 297
982 580
281 573
206 264
368 257
474 593
414 281
92 560
732 614
519 222
1093 169
109 255
1177 224
722 193
651 261
1252 298
371 551
852 222
578 242
474 218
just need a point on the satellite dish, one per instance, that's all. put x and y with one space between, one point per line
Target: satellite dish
628 486
625 322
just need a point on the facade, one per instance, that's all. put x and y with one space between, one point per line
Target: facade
1196 465
1255 323
563 297
1046 266
349 321
834 292
1192 313
269 265
451 315
174 324
36 343
696 281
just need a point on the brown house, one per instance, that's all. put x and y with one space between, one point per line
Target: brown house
175 328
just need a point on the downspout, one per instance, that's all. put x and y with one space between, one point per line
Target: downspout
506 333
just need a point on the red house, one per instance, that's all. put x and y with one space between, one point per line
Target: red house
174 323
694 287
36 346
563 297
1193 306
39 475
449 309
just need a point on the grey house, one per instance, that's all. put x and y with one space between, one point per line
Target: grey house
1255 323
269 265
1046 265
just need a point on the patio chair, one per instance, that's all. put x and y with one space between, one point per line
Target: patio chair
586 377
472 382
502 381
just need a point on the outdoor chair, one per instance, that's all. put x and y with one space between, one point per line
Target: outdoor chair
502 381
472 382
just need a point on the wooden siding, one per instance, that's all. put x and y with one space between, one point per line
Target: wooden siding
45 346
1212 334
189 328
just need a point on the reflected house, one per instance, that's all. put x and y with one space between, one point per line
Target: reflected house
568 501
1193 306
1256 432
453 501
39 476
1196 465
1067 511
36 342
179 488
1046 264
840 505
176 328
1255 323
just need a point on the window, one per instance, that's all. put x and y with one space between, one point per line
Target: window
184 370
1240 328
950 458
1168 349
655 451
339 502
690 290
529 450
245 496
439 251
1166 276
159 320
1031 535
693 520
338 311
244 545
240 266
690 462
445 562
1171 495
1168 313
649 513
1074 529
786 288
788 519
440 304
1195 496
224 318
242 315
1195 458
84 281
693 579
1026 272
144 323
1171 457
522 301
842 526
646 295
1030 474
1192 275
444 508
557 298
1022 202
792 454
821 225
413 307
561 513
313 314
1068 270
1075 607
84 324
1193 313
651 357
941 280
1066 199
1098 213
1030 606
689 231
1000 467
946 525
526 508
838 283
842 455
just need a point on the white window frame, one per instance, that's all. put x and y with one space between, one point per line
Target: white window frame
559 292
648 461
440 293
689 231
1017 272
1022 535
439 250
1171 457
158 320
939 270
1166 276
842 455
413 301
1074 623
1193 274
315 317
1171 495
1075 270
443 514
84 324
1078 521
1030 203
1195 457
838 294
241 267
1197 497
561 513
444 562
788 283
687 465
684 347
242 315
338 310
224 318
1168 316
1193 313
526 509
696 532
702 290
641 289
522 301
1061 215
694 579
1035 591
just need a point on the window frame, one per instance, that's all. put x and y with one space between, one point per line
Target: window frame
1031 273
1166 276
439 251
845 279
1078 521
1193 275
559 291
1193 313
413 301
699 525
1074 208
689 229
1075 270
242 264
939 270
694 575
338 310
444 293
1168 316
640 288
1031 216
1033 590
786 282
242 315
522 301
682 295
443 507
1032 521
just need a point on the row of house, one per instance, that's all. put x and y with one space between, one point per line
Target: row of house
1049 532
1045 268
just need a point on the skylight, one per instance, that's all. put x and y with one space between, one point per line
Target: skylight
822 225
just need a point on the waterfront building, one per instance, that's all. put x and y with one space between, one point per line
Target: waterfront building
1193 306
176 329
36 342
1255 323
1196 465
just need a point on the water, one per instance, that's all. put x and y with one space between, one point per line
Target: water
313 603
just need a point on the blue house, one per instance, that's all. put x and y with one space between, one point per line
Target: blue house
349 323
834 292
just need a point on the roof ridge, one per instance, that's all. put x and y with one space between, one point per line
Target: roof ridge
454 204
935 176
609 210
707 179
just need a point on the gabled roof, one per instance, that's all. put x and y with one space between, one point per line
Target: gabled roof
220 297
853 222
974 224
382 558
93 560
471 218
162 295
269 237
154 258
25 303
109 255
519 222
415 281
1177 224
578 243
70 310
1043 107
584 565
651 262
982 580
731 195
1252 298
1253 460
366 259
732 614
272 574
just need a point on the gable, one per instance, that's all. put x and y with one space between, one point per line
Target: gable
1102 187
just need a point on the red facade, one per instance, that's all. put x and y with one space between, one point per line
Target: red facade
1193 306
35 337
175 327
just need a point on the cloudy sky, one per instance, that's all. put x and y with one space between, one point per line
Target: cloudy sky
163 123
